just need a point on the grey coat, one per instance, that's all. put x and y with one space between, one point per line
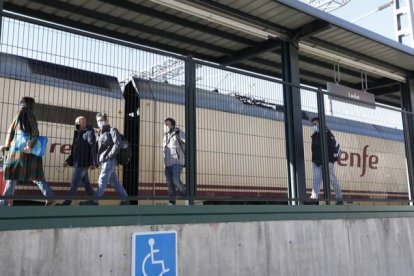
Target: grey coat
109 144
174 148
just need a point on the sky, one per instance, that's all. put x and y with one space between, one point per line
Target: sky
379 22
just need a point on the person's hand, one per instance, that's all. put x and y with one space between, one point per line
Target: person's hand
27 149
4 148
65 164
92 167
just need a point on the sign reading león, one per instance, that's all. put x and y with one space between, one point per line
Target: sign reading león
354 95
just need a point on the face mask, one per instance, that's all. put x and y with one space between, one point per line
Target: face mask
166 129
77 126
20 107
101 124
315 128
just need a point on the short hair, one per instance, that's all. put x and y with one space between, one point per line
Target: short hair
28 101
315 119
102 115
171 120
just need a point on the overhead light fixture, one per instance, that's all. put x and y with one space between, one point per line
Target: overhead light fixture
216 18
325 54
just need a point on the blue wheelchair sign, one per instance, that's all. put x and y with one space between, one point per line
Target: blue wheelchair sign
154 253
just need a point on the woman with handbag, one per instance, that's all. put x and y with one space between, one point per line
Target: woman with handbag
21 163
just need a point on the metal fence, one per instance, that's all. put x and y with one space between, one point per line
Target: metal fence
234 123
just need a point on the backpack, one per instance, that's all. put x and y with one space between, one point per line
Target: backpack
336 147
124 155
182 145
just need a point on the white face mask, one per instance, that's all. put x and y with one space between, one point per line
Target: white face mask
20 107
315 128
166 129
101 124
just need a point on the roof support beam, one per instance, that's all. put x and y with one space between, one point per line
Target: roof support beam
97 30
384 83
352 54
386 90
303 73
327 65
248 53
128 24
283 32
310 29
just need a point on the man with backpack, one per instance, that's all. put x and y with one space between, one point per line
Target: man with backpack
174 158
333 155
109 145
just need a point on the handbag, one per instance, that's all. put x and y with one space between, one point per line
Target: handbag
20 141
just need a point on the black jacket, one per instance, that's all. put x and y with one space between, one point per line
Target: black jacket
109 144
81 154
316 147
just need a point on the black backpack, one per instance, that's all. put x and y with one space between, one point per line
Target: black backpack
124 155
336 147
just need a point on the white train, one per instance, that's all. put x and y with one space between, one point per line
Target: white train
241 149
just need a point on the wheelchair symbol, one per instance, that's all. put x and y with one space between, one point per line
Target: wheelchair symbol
151 243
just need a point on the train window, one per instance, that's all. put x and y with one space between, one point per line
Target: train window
62 115
69 74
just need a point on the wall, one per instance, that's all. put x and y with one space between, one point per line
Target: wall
376 246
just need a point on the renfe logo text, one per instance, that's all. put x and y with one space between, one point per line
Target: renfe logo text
361 161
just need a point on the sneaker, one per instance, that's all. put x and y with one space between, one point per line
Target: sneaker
311 201
89 202
340 202
50 203
186 202
64 203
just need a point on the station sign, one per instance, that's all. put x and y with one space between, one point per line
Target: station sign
351 95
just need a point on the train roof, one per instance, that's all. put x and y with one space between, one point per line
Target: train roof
46 73
164 92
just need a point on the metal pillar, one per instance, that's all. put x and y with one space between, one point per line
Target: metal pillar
293 122
1 17
190 127
404 21
407 104
324 146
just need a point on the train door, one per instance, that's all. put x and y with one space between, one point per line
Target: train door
131 132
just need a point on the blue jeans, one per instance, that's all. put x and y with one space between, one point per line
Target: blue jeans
173 177
317 180
80 174
108 175
11 186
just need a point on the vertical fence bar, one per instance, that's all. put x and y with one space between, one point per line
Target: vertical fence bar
1 16
190 123
293 122
407 98
324 146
